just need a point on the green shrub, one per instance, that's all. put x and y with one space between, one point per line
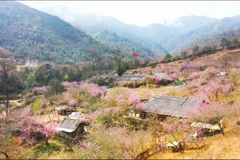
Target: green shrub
42 148
36 106
106 120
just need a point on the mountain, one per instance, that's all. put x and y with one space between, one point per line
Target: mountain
206 35
93 24
188 23
154 35
172 36
30 33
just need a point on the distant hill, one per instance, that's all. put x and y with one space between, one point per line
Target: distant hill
156 39
154 35
93 24
30 33
206 35
5 53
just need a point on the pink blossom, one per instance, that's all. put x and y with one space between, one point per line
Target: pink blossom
21 112
85 144
128 98
175 75
133 98
140 106
159 78
72 102
191 64
30 126
92 88
194 75
135 54
44 101
39 89
208 112
175 127
69 84
66 84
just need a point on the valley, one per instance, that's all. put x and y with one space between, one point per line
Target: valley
89 87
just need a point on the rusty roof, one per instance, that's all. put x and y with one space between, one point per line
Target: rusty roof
171 106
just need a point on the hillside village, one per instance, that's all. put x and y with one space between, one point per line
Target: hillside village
163 118
67 94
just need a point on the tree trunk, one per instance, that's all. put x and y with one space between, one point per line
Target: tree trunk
221 129
46 140
7 98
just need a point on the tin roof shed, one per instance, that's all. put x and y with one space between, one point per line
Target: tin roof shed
69 125
171 106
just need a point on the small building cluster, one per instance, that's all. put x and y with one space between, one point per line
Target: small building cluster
135 79
170 106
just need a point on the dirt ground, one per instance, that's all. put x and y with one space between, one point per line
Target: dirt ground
217 147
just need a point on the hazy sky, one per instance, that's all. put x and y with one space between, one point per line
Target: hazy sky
145 12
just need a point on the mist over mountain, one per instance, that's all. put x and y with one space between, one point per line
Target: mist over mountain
94 24
155 34
152 40
206 35
188 23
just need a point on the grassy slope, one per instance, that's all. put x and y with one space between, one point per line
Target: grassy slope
218 146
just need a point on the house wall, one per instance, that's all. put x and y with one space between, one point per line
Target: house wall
79 131
149 115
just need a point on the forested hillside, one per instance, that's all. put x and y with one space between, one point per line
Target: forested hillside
33 34
126 44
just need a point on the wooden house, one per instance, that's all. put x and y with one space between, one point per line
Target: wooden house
166 79
169 106
73 127
133 80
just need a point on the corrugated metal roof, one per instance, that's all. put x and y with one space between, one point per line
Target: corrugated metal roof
136 76
68 125
169 105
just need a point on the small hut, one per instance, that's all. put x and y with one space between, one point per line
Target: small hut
208 129
222 73
73 127
75 115
62 110
153 78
